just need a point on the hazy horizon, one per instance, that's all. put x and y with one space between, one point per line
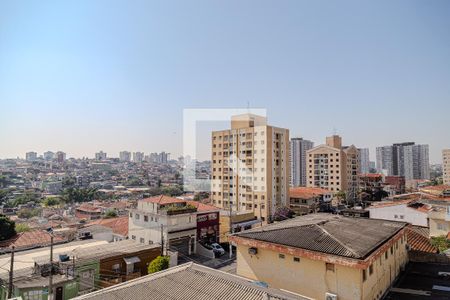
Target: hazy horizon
86 76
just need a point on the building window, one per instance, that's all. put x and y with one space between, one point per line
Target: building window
131 215
364 275
133 237
392 249
145 218
329 267
442 226
281 256
386 255
297 259
142 240
370 269
33 295
137 216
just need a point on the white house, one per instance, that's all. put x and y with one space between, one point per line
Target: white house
167 218
409 211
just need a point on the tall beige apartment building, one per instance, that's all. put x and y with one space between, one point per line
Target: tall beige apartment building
333 167
250 167
446 166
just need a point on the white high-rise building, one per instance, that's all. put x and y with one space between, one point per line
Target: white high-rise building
125 156
100 155
298 148
49 155
31 156
385 160
364 160
404 159
138 157
446 166
60 156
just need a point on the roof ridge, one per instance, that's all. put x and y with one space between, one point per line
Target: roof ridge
335 239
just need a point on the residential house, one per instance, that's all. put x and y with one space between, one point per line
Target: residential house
166 220
306 200
118 225
88 212
30 240
31 284
207 222
231 222
394 185
439 217
411 211
96 232
105 265
31 271
324 256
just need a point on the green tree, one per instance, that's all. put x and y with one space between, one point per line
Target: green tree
341 195
4 181
158 264
68 182
7 228
26 213
3 195
133 181
51 201
201 195
440 242
22 227
110 213
72 195
25 198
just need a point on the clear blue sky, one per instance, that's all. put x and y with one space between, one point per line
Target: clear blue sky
81 76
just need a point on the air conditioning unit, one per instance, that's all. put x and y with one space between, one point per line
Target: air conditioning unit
330 296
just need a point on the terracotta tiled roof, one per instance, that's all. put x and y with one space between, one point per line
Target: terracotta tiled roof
201 207
118 225
162 199
439 188
389 203
30 239
307 192
88 208
418 239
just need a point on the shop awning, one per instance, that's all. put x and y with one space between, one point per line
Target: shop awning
131 260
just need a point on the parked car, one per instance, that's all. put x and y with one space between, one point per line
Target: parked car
217 249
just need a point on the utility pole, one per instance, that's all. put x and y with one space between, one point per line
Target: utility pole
50 278
231 228
162 240
11 274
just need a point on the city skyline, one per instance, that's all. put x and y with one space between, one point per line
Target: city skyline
112 154
75 79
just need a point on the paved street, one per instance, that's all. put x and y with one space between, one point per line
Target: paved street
223 263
